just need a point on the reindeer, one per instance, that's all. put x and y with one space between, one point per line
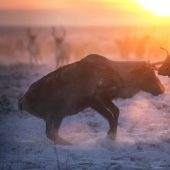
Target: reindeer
124 47
62 48
33 47
92 82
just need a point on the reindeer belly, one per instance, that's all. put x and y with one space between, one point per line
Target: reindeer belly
58 97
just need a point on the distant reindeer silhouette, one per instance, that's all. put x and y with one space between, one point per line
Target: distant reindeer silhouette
123 46
62 48
33 47
141 47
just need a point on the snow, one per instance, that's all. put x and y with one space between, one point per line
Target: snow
143 140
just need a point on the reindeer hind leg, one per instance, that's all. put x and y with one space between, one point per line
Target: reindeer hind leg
52 129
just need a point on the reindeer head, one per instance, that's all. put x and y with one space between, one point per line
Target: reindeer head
58 34
32 36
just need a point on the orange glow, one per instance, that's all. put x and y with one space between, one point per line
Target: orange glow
43 4
29 4
158 7
76 4
84 12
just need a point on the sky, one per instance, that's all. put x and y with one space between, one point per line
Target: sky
83 12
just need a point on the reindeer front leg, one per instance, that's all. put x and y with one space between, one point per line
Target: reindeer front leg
109 111
115 111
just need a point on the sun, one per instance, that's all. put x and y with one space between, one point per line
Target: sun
157 7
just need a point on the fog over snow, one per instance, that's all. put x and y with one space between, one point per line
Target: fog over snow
143 140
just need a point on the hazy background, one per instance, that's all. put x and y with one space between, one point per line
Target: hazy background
127 29
117 29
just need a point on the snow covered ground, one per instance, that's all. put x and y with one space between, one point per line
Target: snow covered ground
143 140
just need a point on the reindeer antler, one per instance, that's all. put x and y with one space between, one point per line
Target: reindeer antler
162 62
165 50
60 34
164 69
32 34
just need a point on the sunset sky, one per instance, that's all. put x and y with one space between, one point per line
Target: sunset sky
84 12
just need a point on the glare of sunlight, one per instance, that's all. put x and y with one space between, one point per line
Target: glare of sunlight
157 7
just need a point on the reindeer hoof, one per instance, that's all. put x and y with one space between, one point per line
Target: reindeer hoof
111 135
61 141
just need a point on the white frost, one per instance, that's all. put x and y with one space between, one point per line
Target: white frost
143 140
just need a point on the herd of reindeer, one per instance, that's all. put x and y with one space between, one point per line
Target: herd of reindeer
62 48
125 47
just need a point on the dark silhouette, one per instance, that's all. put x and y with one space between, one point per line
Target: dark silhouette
91 82
33 47
62 48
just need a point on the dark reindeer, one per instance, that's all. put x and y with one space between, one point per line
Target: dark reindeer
92 82
62 48
33 47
